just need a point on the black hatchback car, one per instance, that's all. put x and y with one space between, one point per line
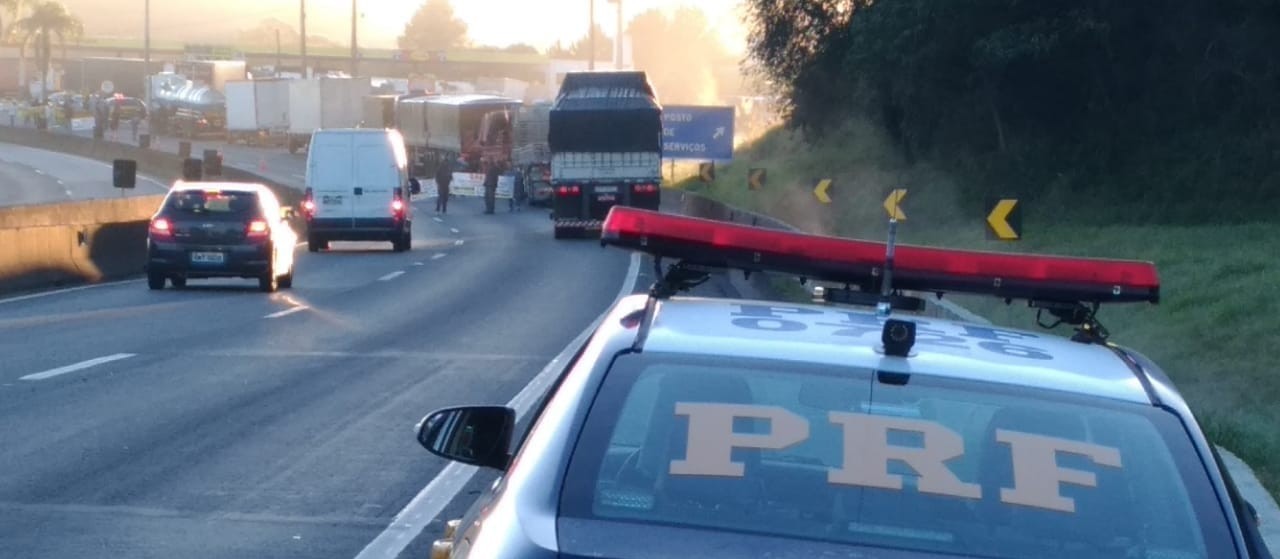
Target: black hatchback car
218 230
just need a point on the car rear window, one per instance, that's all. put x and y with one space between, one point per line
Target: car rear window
213 203
889 460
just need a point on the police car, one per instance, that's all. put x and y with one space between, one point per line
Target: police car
713 428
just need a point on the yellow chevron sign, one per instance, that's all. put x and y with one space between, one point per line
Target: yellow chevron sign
707 171
820 191
893 204
1004 221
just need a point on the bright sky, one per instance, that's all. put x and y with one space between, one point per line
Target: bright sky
537 22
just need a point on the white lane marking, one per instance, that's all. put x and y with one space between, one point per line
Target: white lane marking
438 220
287 312
67 290
428 503
454 231
68 192
392 275
438 255
77 367
458 243
419 264
38 171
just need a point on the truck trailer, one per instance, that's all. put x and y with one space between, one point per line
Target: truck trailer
606 148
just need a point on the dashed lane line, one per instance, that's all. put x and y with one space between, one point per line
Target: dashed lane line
77 367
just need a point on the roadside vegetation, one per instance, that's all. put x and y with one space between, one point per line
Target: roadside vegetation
1136 130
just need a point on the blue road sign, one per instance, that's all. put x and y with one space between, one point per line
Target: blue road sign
703 133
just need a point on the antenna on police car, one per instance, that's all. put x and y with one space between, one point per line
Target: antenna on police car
885 306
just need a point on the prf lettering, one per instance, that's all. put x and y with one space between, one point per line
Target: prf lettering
1037 477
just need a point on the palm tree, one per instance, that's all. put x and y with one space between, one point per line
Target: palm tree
48 19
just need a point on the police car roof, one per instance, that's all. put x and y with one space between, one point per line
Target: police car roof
849 336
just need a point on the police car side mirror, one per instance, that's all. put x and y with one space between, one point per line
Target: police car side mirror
415 187
476 435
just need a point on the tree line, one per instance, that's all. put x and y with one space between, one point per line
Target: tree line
1129 89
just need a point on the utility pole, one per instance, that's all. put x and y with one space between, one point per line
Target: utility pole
617 38
146 45
355 53
302 24
277 51
591 35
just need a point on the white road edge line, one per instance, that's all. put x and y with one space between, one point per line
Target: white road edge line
438 255
429 502
457 243
438 220
287 312
77 367
392 275
454 230
67 290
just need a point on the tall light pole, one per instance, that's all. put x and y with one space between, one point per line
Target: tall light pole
591 35
302 24
355 53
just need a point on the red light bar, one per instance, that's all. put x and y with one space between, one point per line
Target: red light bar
857 262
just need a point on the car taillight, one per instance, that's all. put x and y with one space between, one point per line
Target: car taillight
309 204
160 227
572 190
258 228
646 188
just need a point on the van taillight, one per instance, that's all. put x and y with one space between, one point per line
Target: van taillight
309 204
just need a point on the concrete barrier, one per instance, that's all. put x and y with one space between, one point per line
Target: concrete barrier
60 244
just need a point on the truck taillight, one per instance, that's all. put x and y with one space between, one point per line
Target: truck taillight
646 188
572 190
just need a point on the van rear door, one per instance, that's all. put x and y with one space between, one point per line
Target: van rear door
331 179
377 178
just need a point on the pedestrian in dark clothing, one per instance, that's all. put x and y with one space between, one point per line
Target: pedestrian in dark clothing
490 186
517 192
444 176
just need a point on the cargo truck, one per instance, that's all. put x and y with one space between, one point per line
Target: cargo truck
411 120
606 148
531 152
325 102
257 111
469 127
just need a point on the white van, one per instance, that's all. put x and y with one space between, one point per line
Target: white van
358 188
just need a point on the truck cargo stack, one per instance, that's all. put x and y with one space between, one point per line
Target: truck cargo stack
379 111
258 111
324 103
606 148
532 152
411 120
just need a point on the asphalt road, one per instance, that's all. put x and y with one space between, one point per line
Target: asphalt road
35 176
218 421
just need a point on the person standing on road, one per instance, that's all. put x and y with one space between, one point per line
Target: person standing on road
517 192
444 176
490 185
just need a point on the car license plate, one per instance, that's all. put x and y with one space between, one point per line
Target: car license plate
331 200
606 190
207 258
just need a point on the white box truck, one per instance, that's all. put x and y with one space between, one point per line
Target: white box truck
258 111
324 103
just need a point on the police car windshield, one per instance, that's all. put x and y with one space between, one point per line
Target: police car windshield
920 463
